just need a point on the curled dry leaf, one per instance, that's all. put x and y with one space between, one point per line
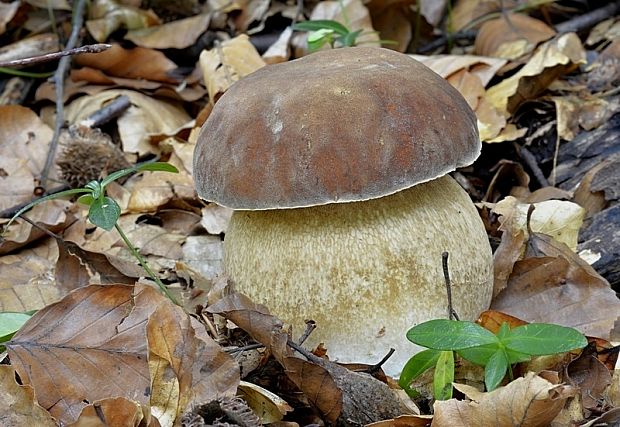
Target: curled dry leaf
561 220
525 402
393 19
18 406
32 46
551 60
178 34
106 16
511 36
225 64
186 370
136 63
156 189
147 117
269 407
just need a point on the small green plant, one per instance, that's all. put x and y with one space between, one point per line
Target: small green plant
495 352
327 31
104 211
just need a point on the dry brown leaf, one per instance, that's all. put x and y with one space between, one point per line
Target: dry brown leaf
405 421
550 60
147 118
205 255
279 51
225 64
117 412
563 290
592 378
574 113
89 346
136 63
525 402
446 65
24 141
7 13
178 34
179 361
27 278
106 16
492 320
269 407
156 189
32 46
511 36
393 19
465 12
18 406
215 218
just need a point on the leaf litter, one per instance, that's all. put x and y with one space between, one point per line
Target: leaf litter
105 344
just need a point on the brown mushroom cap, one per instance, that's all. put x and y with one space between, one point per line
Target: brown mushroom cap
336 126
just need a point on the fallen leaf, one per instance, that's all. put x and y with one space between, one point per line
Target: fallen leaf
511 36
550 60
27 278
146 118
178 34
156 189
405 421
18 406
7 13
89 346
591 377
205 255
225 64
525 402
215 218
269 407
116 411
182 365
106 16
136 63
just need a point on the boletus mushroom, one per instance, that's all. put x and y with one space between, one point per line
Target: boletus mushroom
336 165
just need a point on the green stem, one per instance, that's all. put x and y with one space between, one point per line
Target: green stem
144 265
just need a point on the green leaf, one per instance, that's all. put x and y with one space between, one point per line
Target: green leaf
86 199
104 213
350 38
152 166
10 323
538 339
45 199
417 365
317 39
444 376
479 355
517 357
504 330
321 24
443 334
157 166
495 371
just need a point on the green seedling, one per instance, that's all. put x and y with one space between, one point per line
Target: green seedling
104 211
495 352
327 31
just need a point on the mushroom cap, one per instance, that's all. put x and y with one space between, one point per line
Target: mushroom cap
335 126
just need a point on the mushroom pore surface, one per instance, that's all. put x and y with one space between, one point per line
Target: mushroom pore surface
365 271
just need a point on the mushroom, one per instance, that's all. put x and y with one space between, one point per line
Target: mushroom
336 165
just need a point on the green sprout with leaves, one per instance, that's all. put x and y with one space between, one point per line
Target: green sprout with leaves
104 211
327 31
495 352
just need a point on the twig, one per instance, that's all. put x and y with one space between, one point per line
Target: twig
588 20
59 79
446 275
529 159
308 355
375 368
244 348
92 48
107 113
310 327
